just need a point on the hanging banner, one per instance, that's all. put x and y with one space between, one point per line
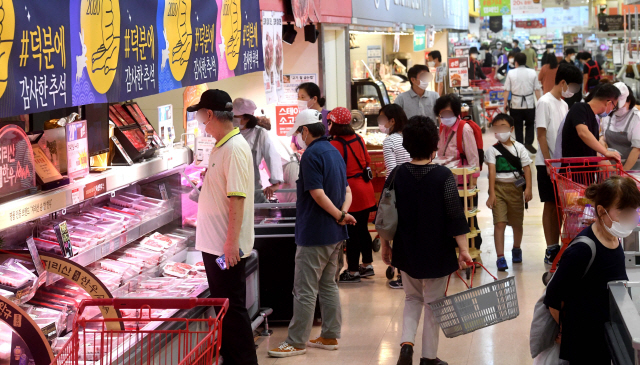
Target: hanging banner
526 7
458 72
273 54
495 7
419 38
495 23
531 24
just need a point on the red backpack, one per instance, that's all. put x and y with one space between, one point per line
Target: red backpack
477 134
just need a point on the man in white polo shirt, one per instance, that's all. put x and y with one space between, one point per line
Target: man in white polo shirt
225 221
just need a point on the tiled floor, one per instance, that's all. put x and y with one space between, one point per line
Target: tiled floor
372 312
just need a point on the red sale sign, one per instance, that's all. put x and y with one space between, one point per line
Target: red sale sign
285 117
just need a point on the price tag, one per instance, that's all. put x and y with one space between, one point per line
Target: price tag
35 255
62 233
76 196
163 191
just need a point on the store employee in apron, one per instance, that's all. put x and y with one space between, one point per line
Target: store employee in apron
621 130
522 82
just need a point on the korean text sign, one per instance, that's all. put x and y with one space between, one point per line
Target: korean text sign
77 150
495 7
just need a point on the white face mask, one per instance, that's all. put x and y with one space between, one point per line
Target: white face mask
567 94
572 58
431 64
503 137
511 62
620 230
303 105
449 122
300 141
201 125
622 111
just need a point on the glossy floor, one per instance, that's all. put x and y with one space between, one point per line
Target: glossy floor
372 312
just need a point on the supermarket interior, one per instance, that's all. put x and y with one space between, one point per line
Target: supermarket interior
178 182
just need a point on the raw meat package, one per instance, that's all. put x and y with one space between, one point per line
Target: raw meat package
130 211
200 266
133 196
123 201
174 269
114 266
53 247
12 278
148 256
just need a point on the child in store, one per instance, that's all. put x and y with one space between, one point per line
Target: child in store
509 176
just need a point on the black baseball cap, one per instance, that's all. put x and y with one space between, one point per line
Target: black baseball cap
216 100
550 46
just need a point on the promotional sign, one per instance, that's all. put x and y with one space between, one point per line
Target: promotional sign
458 72
495 23
77 149
165 124
291 83
95 188
273 54
495 7
285 117
44 168
610 23
62 233
419 38
431 36
204 145
530 24
461 51
17 170
20 213
526 7
374 55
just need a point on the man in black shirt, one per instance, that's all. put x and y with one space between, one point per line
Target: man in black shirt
516 46
549 52
570 58
581 127
590 69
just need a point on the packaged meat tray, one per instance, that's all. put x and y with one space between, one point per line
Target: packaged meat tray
130 211
53 247
133 196
114 266
200 266
172 269
12 279
153 245
146 255
123 201
93 230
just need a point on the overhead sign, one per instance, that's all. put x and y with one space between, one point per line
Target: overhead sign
452 14
56 54
526 7
495 7
529 24
273 55
610 23
495 23
419 38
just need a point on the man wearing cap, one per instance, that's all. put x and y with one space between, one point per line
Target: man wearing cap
475 68
532 55
324 198
549 52
570 58
225 221
418 100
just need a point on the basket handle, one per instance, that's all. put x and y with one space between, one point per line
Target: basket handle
472 264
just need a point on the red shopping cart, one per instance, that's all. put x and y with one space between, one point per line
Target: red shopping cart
571 177
189 341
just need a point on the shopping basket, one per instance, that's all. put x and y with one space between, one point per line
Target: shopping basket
571 177
476 308
138 342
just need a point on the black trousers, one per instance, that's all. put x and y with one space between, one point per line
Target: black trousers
238 347
522 118
359 241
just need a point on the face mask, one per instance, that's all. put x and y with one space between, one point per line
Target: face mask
503 137
300 141
423 85
527 46
383 128
573 57
201 125
622 111
567 94
236 123
431 64
606 113
511 62
303 105
618 229
449 122
473 55
499 46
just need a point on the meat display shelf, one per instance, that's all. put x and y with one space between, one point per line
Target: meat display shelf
43 203
104 249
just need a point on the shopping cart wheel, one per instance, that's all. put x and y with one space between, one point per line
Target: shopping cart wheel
546 277
391 271
376 244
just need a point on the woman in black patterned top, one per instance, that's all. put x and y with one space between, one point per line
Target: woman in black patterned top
426 198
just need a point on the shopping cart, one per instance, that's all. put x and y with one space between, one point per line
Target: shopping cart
138 342
571 177
476 308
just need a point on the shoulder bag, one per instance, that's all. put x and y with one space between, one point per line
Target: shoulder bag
387 215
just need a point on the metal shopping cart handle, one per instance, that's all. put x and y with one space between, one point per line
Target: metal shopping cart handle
151 303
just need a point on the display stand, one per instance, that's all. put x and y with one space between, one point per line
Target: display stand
470 211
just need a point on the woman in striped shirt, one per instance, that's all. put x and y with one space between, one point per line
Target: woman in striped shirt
391 121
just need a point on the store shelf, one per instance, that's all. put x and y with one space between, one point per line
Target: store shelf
472 213
474 233
470 193
115 178
461 170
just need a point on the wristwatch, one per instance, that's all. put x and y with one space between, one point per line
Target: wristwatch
342 217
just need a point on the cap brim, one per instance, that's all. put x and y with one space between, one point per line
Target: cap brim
194 108
292 131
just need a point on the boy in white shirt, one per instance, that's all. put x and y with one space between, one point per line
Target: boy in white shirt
551 110
509 174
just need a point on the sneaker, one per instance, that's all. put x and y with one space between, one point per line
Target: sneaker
531 149
286 350
406 355
516 255
324 343
550 254
502 264
435 361
366 271
396 284
347 277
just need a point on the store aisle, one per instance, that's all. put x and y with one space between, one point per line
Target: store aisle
372 312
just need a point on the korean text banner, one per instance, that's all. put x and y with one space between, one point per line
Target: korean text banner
495 7
75 52
35 69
